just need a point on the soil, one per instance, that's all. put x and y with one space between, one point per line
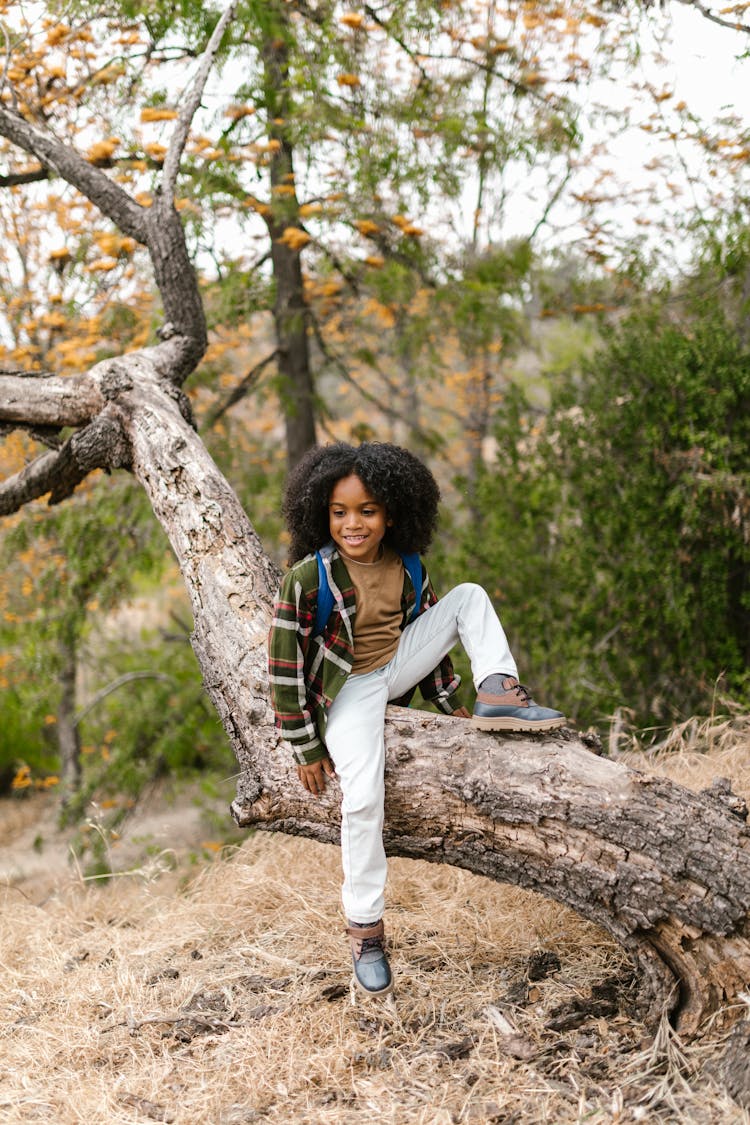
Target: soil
170 828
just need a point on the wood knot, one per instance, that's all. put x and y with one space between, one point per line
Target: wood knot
115 379
250 794
592 742
183 403
720 792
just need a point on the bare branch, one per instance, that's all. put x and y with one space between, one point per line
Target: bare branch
350 278
47 435
112 201
243 388
732 25
98 446
346 375
518 85
121 681
31 399
412 55
551 203
188 110
16 179
388 250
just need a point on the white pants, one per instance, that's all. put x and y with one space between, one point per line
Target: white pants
355 737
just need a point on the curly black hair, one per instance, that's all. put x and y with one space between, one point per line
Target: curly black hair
394 477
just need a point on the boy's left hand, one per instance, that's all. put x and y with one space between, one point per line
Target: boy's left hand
461 713
313 776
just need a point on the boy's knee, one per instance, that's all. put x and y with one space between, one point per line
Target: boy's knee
472 591
367 804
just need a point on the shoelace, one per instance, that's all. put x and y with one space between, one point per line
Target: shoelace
369 943
522 691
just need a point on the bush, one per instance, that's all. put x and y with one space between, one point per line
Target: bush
615 535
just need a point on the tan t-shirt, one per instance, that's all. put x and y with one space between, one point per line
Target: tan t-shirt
377 626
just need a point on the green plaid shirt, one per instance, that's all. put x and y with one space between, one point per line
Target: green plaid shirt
306 673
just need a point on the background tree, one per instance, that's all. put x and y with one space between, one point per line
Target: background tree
628 501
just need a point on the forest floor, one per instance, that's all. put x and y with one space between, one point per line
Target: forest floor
207 983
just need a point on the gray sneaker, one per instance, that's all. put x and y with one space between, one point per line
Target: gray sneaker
514 709
372 973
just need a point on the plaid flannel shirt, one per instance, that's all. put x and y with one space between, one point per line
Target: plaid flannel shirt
306 673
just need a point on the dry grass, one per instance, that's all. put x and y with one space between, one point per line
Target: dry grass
225 1000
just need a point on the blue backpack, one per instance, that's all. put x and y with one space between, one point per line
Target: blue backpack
412 565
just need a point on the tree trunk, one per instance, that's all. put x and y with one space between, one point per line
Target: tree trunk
295 376
296 389
664 870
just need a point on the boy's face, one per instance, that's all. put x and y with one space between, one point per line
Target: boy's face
357 520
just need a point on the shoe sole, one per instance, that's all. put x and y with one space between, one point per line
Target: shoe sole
362 991
505 722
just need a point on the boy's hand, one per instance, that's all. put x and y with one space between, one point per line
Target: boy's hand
461 713
313 776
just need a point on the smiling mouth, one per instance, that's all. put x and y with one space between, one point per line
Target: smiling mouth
354 539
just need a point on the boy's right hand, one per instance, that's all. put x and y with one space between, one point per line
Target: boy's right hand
313 776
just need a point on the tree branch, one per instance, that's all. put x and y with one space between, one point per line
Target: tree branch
32 399
184 332
732 25
515 84
411 55
351 280
243 388
189 109
346 375
551 203
121 681
98 446
113 202
16 179
158 227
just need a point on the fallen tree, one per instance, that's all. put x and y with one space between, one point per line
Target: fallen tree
664 870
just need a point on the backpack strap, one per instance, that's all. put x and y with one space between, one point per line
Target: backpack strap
413 567
325 598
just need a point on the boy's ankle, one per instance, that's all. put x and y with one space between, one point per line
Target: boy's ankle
497 683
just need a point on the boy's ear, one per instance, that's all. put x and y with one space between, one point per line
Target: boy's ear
389 523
